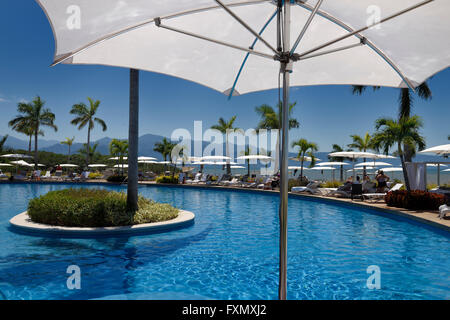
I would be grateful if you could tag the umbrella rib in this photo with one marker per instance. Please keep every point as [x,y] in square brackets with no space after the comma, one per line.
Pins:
[247,55]
[327,44]
[318,54]
[223,43]
[306,26]
[246,26]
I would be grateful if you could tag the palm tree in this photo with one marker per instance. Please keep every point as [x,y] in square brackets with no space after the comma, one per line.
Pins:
[2,142]
[247,152]
[399,132]
[92,153]
[338,148]
[69,143]
[179,153]
[271,120]
[86,116]
[119,148]
[33,116]
[305,147]
[406,101]
[226,127]
[362,144]
[165,148]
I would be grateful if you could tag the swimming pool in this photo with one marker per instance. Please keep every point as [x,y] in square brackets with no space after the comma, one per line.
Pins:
[231,252]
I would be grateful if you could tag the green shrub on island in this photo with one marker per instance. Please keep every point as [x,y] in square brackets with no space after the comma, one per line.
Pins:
[167,179]
[116,178]
[95,208]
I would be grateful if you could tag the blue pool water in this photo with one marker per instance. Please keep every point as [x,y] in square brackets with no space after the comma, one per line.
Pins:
[230,253]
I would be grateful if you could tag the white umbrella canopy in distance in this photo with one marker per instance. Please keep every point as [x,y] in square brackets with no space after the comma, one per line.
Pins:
[16,156]
[97,166]
[118,158]
[332,163]
[322,168]
[254,157]
[340,47]
[215,158]
[237,167]
[446,170]
[121,166]
[22,163]
[373,164]
[5,165]
[68,165]
[146,159]
[391,169]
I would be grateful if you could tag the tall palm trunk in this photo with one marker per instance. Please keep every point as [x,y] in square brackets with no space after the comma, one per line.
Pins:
[36,160]
[405,172]
[228,154]
[248,168]
[133,142]
[29,145]
[69,152]
[341,174]
[88,147]
[301,169]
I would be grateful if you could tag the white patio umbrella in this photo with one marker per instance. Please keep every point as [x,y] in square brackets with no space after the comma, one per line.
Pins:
[372,164]
[16,156]
[353,155]
[442,150]
[68,165]
[121,166]
[237,167]
[332,163]
[391,169]
[215,158]
[118,158]
[254,157]
[22,163]
[332,44]
[97,166]
[439,150]
[323,168]
[146,159]
[5,165]
[446,170]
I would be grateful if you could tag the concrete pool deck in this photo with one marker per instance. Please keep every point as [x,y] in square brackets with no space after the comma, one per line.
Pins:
[427,217]
[23,223]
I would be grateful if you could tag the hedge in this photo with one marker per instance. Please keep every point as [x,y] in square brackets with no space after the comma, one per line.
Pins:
[95,208]
[414,200]
[167,179]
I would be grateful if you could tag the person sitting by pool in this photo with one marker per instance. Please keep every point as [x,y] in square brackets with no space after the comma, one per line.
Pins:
[382,180]
[368,186]
[358,180]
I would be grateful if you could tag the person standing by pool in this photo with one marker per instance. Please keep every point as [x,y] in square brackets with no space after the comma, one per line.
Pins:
[382,180]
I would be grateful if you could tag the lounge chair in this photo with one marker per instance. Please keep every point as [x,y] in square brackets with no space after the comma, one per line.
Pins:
[204,179]
[311,187]
[265,184]
[47,175]
[380,196]
[196,179]
[234,182]
[443,211]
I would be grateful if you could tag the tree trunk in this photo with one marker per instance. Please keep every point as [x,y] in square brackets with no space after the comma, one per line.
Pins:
[228,154]
[341,175]
[87,147]
[69,153]
[133,142]
[248,168]
[29,145]
[405,172]
[36,159]
[301,169]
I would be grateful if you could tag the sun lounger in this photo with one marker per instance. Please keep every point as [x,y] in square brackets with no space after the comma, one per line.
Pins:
[196,179]
[380,196]
[310,188]
[443,211]
[233,182]
[47,175]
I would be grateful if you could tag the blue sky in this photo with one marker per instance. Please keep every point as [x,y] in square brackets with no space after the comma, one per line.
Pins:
[328,114]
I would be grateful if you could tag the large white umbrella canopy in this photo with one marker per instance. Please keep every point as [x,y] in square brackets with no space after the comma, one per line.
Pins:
[439,150]
[121,166]
[333,42]
[237,167]
[5,165]
[322,168]
[446,170]
[147,161]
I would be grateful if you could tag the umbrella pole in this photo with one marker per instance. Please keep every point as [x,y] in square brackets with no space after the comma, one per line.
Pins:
[284,158]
